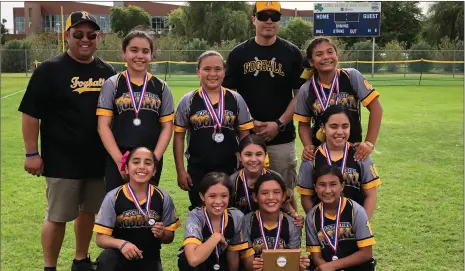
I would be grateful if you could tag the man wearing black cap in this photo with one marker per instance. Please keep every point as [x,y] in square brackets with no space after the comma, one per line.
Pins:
[266,71]
[61,99]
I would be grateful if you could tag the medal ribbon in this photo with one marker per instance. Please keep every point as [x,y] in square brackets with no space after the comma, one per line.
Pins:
[246,187]
[262,231]
[336,230]
[324,101]
[136,202]
[210,227]
[131,92]
[216,117]
[344,157]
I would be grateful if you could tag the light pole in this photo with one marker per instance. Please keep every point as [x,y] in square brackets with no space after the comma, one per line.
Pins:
[58,34]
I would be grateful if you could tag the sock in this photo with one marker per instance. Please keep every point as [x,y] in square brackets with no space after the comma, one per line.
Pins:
[50,268]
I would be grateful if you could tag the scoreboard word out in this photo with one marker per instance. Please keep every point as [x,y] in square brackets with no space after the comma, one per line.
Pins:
[347,19]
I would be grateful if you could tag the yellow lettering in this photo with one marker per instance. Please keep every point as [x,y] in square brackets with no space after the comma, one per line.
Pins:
[85,15]
[74,82]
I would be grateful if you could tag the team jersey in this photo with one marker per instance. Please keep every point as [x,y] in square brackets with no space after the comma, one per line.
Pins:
[196,231]
[157,107]
[354,232]
[289,238]
[358,176]
[63,94]
[354,90]
[120,218]
[266,76]
[192,116]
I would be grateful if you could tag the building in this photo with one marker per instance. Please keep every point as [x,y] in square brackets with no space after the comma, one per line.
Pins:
[41,16]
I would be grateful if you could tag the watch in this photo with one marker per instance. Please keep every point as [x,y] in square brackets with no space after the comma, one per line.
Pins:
[281,126]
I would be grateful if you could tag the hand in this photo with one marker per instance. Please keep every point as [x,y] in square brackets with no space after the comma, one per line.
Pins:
[119,165]
[308,153]
[184,180]
[304,262]
[270,131]
[222,241]
[34,165]
[158,230]
[362,151]
[130,251]
[298,220]
[257,264]
[325,267]
[258,126]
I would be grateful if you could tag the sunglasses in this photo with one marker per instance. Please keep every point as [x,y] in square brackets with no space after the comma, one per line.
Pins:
[263,17]
[80,35]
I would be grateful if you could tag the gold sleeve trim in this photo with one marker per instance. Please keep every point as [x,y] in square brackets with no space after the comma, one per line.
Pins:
[246,126]
[167,118]
[102,229]
[192,240]
[372,184]
[179,129]
[238,246]
[173,226]
[368,99]
[247,253]
[104,112]
[366,242]
[301,118]
[305,191]
[314,249]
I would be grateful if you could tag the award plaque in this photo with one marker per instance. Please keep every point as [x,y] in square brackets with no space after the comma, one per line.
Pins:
[281,259]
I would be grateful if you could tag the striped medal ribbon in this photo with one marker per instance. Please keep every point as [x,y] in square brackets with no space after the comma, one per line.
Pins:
[210,227]
[333,244]
[344,157]
[148,200]
[317,88]
[136,105]
[262,231]
[217,117]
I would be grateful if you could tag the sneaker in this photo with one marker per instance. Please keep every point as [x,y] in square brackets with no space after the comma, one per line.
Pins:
[82,265]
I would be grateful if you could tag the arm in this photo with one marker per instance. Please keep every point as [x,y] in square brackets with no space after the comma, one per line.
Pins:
[107,241]
[164,139]
[317,258]
[178,149]
[30,128]
[286,117]
[305,133]
[370,201]
[374,121]
[108,140]
[233,260]
[307,203]
[199,253]
[243,133]
[248,263]
[168,237]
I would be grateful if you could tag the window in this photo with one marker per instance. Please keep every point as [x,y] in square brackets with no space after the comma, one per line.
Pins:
[159,24]
[104,22]
[19,25]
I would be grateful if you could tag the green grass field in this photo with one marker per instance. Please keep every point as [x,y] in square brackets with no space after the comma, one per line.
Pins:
[418,223]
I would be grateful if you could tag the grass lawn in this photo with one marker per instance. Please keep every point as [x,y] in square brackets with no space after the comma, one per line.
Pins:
[418,223]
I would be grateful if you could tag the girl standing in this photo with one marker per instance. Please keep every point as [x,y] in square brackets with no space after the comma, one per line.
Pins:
[135,218]
[338,231]
[215,119]
[268,227]
[135,109]
[326,86]
[360,177]
[212,237]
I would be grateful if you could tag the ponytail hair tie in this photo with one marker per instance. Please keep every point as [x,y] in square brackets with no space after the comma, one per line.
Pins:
[123,161]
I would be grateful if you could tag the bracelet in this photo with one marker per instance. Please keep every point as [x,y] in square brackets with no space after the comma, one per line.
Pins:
[370,144]
[122,245]
[32,154]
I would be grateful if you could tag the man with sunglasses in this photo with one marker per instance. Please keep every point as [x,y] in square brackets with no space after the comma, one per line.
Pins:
[61,99]
[266,71]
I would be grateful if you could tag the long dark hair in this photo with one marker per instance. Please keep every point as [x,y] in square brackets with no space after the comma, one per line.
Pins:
[214,178]
[311,46]
[136,34]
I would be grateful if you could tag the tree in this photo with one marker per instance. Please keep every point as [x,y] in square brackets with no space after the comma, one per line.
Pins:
[394,51]
[420,50]
[125,19]
[212,21]
[364,53]
[444,19]
[14,56]
[3,32]
[297,31]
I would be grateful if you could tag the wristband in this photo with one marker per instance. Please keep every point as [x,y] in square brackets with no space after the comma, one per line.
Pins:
[32,154]
[122,245]
[370,144]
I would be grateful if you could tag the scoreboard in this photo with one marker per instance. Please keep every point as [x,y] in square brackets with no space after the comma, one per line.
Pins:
[347,19]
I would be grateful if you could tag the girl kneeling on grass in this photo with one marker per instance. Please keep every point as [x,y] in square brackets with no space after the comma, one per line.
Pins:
[339,235]
[260,229]
[135,218]
[212,237]
[252,156]
[360,177]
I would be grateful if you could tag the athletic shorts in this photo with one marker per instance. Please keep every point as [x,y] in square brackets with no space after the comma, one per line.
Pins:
[283,160]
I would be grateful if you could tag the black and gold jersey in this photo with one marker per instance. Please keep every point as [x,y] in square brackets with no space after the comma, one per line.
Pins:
[196,231]
[239,198]
[157,106]
[63,94]
[354,232]
[358,176]
[192,116]
[289,238]
[354,90]
[120,218]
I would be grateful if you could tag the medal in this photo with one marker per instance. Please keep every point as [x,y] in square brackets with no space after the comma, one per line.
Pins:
[136,105]
[344,157]
[217,118]
[136,121]
[333,244]
[262,231]
[324,101]
[210,227]
[147,201]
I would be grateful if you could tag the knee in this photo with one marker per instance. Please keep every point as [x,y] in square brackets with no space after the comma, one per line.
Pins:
[109,260]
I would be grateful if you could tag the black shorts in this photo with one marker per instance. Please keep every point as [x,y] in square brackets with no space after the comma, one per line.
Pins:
[112,259]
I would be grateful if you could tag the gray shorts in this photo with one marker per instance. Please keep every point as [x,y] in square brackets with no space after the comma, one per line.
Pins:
[283,160]
[67,197]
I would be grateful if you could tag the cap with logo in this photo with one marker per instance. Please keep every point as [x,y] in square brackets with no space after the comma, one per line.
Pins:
[78,17]
[261,6]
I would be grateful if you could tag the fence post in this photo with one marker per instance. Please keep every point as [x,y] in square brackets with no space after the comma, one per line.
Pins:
[25,59]
[169,63]
[421,70]
[453,67]
[356,60]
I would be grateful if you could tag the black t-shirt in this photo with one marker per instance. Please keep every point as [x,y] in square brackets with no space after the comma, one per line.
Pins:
[63,94]
[266,76]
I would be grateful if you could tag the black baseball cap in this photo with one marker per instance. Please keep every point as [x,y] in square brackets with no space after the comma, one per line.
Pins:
[78,17]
